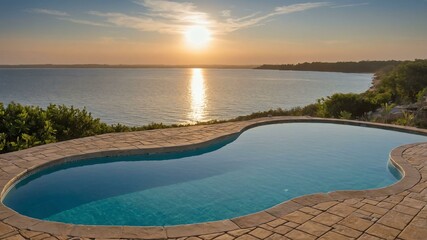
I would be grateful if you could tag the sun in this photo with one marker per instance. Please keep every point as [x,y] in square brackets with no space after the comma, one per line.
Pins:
[197,36]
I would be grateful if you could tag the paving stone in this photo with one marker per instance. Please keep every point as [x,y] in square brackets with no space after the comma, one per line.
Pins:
[292,224]
[372,202]
[239,232]
[386,205]
[298,217]
[199,229]
[246,237]
[366,236]
[325,206]
[224,237]
[413,232]
[314,228]
[266,227]
[193,238]
[210,236]
[327,219]
[283,209]
[406,210]
[4,229]
[60,229]
[276,222]
[14,237]
[334,236]
[260,233]
[341,210]
[29,234]
[395,219]
[20,221]
[357,223]
[409,202]
[374,209]
[282,229]
[311,211]
[96,231]
[383,231]
[419,222]
[362,214]
[299,235]
[276,237]
[394,199]
[343,230]
[354,202]
[423,213]
[41,236]
[253,219]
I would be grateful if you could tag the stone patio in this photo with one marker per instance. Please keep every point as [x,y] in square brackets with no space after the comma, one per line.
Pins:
[395,212]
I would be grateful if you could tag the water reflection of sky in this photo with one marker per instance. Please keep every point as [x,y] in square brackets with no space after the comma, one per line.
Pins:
[197,92]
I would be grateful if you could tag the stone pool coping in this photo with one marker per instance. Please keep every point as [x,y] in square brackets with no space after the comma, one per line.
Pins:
[16,165]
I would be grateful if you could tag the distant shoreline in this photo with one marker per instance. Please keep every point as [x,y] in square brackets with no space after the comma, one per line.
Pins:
[123,66]
[343,67]
[340,67]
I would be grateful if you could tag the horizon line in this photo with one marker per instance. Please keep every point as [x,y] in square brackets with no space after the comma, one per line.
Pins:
[103,65]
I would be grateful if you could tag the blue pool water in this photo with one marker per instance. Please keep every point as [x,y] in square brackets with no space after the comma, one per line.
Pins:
[262,167]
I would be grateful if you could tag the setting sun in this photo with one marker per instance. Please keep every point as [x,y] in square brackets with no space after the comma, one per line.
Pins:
[197,36]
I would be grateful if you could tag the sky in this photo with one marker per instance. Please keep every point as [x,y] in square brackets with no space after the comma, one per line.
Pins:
[234,32]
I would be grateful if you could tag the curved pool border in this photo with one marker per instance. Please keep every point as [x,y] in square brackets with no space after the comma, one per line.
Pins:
[17,165]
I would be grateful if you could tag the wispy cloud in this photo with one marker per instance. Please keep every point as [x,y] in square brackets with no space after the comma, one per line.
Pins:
[85,22]
[226,13]
[173,17]
[234,24]
[48,12]
[66,17]
[350,5]
[166,16]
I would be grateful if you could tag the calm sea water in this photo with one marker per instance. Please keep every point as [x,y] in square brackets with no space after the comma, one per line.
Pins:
[141,96]
[261,168]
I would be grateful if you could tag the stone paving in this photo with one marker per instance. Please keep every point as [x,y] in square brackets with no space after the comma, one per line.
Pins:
[395,212]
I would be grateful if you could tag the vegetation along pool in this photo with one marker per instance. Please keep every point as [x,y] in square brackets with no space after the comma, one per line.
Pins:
[262,167]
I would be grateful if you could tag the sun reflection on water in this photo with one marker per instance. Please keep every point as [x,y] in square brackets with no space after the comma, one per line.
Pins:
[197,92]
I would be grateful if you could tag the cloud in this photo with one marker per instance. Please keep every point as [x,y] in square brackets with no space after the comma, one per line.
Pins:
[234,24]
[48,12]
[66,17]
[174,17]
[350,5]
[85,22]
[226,13]
[165,16]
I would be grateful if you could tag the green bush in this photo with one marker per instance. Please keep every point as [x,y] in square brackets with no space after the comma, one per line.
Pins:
[70,122]
[24,126]
[351,104]
[404,82]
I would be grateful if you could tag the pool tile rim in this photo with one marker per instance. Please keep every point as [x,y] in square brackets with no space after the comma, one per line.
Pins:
[410,178]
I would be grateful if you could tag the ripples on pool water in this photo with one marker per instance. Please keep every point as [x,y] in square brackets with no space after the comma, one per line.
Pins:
[263,167]
[142,96]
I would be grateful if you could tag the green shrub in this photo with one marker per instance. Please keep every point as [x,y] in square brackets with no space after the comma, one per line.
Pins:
[355,105]
[70,122]
[24,126]
[404,82]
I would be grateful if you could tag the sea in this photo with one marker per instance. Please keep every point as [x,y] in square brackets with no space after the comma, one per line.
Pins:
[172,95]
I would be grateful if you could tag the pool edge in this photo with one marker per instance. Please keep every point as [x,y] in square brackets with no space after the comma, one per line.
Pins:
[410,177]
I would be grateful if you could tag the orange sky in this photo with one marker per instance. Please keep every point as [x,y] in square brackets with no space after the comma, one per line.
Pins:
[153,32]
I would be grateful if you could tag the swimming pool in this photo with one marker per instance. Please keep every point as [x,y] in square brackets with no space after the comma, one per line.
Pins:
[260,168]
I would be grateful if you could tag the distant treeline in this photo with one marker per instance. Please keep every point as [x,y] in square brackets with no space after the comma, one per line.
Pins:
[346,67]
[125,66]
